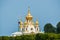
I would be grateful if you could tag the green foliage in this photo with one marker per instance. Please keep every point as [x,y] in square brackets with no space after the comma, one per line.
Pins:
[5,38]
[18,38]
[58,27]
[0,37]
[12,38]
[48,28]
[27,37]
[39,36]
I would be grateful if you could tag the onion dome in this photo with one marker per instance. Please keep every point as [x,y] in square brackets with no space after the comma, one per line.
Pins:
[21,23]
[37,23]
[25,23]
[29,16]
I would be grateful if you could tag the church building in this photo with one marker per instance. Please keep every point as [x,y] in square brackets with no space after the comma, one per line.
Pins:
[27,27]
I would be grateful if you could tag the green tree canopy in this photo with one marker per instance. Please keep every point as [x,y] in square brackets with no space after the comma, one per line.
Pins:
[48,28]
[58,27]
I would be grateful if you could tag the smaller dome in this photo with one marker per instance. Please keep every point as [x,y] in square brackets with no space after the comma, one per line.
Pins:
[21,22]
[37,22]
[25,22]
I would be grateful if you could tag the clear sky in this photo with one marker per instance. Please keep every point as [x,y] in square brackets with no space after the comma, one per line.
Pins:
[46,11]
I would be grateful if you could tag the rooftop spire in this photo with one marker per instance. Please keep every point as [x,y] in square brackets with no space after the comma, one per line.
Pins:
[29,10]
[29,16]
[37,22]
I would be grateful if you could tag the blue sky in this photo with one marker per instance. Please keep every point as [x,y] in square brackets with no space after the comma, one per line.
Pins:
[46,11]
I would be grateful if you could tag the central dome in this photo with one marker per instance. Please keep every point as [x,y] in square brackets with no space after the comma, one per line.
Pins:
[29,16]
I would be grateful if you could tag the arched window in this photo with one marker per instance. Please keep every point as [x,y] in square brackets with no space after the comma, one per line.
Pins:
[37,29]
[26,28]
[31,28]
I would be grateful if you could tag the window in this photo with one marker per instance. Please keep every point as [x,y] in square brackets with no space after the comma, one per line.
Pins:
[37,29]
[26,28]
[31,28]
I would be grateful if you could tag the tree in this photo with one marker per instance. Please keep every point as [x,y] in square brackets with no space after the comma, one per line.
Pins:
[48,28]
[58,27]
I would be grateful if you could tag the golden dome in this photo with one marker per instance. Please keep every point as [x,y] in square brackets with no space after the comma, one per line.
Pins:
[25,23]
[37,23]
[21,22]
[29,16]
